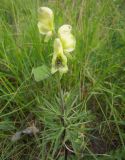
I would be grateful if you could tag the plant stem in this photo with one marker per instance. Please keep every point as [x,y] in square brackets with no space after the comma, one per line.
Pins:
[63,111]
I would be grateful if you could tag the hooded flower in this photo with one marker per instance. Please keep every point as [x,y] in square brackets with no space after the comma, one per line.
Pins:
[46,22]
[59,60]
[67,38]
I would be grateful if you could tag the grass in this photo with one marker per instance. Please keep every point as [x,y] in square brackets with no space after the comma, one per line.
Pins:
[81,117]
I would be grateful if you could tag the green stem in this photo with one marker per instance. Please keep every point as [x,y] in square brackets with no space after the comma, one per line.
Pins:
[61,95]
[63,111]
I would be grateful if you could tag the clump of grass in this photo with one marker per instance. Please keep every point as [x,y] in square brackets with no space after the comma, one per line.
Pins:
[85,117]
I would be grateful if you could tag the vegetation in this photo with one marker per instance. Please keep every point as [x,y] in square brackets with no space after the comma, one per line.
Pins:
[81,116]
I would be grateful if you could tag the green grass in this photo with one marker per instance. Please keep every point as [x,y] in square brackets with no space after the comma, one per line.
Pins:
[81,117]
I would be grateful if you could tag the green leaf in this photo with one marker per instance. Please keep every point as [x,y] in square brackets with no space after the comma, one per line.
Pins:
[41,73]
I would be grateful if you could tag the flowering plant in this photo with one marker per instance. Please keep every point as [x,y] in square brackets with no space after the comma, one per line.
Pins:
[64,43]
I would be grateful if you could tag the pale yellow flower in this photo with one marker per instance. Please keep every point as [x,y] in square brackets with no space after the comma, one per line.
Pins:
[59,60]
[67,38]
[45,22]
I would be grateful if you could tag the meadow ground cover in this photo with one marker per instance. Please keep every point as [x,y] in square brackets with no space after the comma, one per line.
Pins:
[80,116]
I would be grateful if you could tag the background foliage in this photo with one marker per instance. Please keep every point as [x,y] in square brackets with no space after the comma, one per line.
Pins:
[83,116]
